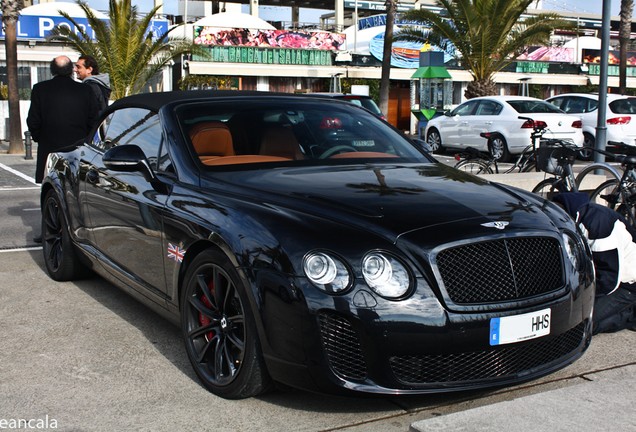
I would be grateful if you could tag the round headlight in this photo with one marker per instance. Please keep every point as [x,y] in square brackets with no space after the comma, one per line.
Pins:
[326,272]
[573,250]
[385,275]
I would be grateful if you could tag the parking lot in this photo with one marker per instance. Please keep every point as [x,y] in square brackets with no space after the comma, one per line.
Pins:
[90,358]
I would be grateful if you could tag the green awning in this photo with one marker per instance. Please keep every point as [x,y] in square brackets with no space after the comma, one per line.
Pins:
[431,72]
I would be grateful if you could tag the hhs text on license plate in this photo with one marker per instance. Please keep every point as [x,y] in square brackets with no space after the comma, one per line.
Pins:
[518,328]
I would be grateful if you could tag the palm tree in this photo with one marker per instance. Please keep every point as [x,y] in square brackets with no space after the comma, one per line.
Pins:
[624,31]
[10,14]
[484,35]
[124,47]
[385,83]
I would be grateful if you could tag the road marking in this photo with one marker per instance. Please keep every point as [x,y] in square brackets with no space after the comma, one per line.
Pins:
[33,209]
[22,249]
[18,173]
[19,188]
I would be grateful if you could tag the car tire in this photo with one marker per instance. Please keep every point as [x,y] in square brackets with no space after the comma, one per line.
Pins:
[586,154]
[219,329]
[498,148]
[60,259]
[434,140]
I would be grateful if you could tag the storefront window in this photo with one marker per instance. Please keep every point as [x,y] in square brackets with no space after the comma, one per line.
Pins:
[24,80]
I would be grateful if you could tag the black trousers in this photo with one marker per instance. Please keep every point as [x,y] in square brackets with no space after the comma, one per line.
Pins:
[615,311]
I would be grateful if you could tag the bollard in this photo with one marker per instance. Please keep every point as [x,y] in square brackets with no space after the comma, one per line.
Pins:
[27,145]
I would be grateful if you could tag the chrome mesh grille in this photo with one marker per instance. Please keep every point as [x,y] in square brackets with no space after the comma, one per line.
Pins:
[498,362]
[342,346]
[501,270]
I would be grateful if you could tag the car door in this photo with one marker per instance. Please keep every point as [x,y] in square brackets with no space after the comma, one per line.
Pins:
[485,116]
[125,210]
[456,126]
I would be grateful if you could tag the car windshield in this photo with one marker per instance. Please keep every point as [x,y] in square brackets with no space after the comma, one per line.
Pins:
[623,106]
[366,103]
[289,131]
[533,107]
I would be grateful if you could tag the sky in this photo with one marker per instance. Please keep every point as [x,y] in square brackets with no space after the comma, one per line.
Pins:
[312,15]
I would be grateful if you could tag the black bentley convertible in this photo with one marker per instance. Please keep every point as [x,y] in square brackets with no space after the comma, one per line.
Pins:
[306,242]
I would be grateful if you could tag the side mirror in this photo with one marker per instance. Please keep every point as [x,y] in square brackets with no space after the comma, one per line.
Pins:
[448,113]
[423,144]
[128,158]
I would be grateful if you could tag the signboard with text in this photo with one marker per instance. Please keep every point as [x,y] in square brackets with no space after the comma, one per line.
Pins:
[35,27]
[259,55]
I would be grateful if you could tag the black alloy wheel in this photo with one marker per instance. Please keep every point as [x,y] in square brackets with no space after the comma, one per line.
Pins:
[60,259]
[219,331]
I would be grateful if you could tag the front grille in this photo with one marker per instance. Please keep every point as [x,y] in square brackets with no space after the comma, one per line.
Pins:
[501,270]
[499,362]
[342,346]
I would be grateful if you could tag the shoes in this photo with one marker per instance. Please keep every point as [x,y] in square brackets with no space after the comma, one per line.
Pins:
[37,238]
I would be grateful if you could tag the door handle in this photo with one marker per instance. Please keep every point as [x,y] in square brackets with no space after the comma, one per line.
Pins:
[489,123]
[92,176]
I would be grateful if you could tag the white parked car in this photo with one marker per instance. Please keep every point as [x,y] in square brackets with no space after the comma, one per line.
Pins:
[620,117]
[498,116]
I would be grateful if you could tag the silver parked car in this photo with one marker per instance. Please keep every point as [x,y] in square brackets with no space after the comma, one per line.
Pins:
[498,116]
[620,120]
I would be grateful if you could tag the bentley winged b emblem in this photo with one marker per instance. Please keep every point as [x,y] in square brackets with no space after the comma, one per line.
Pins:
[497,224]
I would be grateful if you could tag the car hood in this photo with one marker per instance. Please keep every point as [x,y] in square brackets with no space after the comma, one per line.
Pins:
[390,200]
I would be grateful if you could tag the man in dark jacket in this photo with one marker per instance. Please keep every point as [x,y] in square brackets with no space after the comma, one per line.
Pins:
[613,243]
[87,70]
[62,112]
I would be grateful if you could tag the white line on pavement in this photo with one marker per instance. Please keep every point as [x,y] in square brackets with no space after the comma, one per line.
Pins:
[17,189]
[22,249]
[33,209]
[18,173]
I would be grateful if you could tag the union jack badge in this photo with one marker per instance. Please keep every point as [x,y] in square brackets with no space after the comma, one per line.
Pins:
[175,252]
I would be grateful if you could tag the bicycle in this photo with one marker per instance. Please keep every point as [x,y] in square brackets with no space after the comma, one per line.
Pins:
[620,194]
[474,161]
[556,157]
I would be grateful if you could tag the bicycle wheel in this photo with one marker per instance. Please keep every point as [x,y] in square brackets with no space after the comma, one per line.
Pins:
[474,167]
[529,165]
[548,188]
[610,173]
[610,195]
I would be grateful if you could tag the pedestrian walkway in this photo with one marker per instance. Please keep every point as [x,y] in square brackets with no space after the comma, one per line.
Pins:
[604,402]
[15,170]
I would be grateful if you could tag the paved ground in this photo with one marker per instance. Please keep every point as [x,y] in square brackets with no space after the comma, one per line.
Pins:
[89,357]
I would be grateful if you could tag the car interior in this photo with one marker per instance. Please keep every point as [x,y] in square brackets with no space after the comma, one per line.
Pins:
[269,133]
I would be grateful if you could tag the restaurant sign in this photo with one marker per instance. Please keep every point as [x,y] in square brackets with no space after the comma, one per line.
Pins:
[532,67]
[257,55]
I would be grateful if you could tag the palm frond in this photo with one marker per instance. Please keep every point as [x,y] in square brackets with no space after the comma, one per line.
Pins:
[483,35]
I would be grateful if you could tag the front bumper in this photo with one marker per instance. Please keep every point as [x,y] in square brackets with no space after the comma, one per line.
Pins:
[416,346]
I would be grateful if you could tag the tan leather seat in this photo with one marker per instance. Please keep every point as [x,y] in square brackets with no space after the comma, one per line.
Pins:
[281,142]
[212,139]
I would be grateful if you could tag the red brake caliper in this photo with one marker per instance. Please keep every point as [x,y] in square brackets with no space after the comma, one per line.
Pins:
[202,318]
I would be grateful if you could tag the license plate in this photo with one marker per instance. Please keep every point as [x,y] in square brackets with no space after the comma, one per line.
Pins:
[517,328]
[365,143]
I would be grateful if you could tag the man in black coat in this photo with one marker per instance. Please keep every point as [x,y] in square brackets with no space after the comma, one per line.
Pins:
[62,112]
